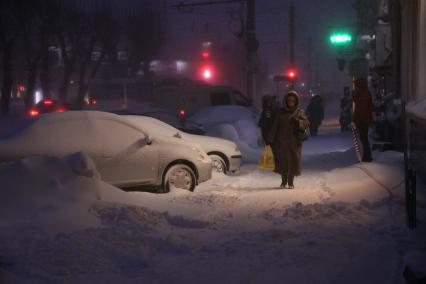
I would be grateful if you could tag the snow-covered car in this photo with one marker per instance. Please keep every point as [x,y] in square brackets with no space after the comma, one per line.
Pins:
[124,154]
[183,124]
[225,154]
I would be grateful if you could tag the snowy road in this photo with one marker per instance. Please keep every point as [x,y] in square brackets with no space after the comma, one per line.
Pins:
[344,223]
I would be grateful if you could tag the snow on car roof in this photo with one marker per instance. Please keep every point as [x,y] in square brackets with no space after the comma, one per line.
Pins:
[151,124]
[62,133]
[82,116]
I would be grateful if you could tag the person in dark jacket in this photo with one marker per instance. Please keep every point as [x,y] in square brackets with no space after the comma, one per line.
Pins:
[283,135]
[269,109]
[363,115]
[315,113]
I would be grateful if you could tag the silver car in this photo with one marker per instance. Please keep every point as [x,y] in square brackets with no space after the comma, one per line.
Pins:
[225,154]
[124,154]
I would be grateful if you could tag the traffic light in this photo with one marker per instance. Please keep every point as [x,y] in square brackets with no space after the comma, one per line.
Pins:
[291,74]
[205,54]
[340,38]
[207,72]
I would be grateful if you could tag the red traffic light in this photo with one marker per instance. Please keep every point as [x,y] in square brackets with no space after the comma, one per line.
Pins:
[207,72]
[205,54]
[182,112]
[291,73]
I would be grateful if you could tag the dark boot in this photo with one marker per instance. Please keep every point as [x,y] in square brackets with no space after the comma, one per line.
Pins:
[290,182]
[283,181]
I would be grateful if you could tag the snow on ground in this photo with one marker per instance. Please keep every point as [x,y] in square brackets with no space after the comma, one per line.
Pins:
[344,223]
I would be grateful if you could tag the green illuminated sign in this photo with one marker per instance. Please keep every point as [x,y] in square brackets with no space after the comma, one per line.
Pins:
[340,38]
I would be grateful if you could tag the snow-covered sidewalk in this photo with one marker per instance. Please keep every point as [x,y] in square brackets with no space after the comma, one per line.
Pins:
[344,223]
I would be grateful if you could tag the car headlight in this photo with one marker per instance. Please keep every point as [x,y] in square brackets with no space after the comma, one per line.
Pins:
[201,155]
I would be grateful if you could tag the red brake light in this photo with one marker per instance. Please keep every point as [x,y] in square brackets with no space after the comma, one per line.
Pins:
[47,102]
[33,112]
[93,102]
[60,109]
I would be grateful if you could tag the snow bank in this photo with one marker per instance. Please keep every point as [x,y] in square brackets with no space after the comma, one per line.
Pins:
[230,132]
[235,123]
[55,194]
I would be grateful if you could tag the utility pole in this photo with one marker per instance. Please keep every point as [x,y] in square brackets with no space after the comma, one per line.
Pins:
[309,64]
[251,42]
[291,34]
[291,37]
[251,46]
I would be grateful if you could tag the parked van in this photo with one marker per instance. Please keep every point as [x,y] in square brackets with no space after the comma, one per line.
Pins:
[191,97]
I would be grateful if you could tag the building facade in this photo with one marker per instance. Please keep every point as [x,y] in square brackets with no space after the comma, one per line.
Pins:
[413,80]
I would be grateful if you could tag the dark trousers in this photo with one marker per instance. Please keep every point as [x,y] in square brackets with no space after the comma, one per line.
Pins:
[313,129]
[363,137]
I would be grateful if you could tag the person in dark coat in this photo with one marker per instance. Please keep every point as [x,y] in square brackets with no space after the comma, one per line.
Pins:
[269,110]
[283,135]
[315,113]
[363,115]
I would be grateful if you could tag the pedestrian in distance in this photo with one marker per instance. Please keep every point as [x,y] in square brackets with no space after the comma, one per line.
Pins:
[363,115]
[289,122]
[315,114]
[345,110]
[269,110]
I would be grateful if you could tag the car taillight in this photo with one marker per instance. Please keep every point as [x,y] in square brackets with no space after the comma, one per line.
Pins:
[33,112]
[61,109]
[47,102]
[93,102]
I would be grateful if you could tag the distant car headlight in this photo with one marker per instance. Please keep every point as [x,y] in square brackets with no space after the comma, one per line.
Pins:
[201,155]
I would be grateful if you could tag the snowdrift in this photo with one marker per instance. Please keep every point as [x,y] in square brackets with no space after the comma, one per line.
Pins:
[235,123]
[55,194]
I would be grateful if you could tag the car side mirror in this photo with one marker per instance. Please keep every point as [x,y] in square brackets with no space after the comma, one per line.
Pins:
[148,139]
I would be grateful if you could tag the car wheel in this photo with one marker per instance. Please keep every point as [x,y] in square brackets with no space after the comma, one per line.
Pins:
[218,164]
[179,176]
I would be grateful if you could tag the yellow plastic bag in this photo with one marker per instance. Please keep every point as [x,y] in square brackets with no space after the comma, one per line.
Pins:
[267,159]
